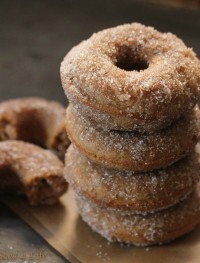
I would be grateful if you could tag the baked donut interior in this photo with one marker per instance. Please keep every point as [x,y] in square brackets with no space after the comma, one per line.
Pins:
[10,182]
[30,128]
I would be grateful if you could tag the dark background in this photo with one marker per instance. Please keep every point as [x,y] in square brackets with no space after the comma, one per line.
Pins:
[34,37]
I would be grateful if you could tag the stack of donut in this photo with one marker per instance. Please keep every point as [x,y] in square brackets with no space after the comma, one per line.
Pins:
[133,123]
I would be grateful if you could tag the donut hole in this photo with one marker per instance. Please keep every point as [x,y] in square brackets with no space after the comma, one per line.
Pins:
[30,128]
[128,59]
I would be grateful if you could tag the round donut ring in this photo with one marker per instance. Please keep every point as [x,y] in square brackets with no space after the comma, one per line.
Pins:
[141,193]
[143,230]
[132,77]
[32,171]
[133,151]
[34,120]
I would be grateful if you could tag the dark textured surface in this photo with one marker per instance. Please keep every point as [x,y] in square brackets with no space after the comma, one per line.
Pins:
[16,237]
[35,36]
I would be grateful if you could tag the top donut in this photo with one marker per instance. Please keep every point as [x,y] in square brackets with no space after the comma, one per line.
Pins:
[132,77]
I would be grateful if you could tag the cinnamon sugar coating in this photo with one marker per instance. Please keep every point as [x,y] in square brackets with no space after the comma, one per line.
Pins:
[129,192]
[133,75]
[133,151]
[143,230]
[34,120]
[29,170]
[133,125]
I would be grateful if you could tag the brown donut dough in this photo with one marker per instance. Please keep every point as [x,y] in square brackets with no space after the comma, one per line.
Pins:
[132,77]
[142,230]
[32,171]
[133,151]
[127,191]
[34,120]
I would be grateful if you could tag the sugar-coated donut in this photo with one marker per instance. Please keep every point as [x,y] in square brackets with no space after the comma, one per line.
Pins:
[124,190]
[132,77]
[142,230]
[133,151]
[32,171]
[34,120]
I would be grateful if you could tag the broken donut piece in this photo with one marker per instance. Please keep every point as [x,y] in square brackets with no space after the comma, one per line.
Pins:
[29,170]
[34,120]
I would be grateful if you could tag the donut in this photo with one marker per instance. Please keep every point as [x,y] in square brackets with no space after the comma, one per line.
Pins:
[143,230]
[29,170]
[132,77]
[124,190]
[129,150]
[34,120]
